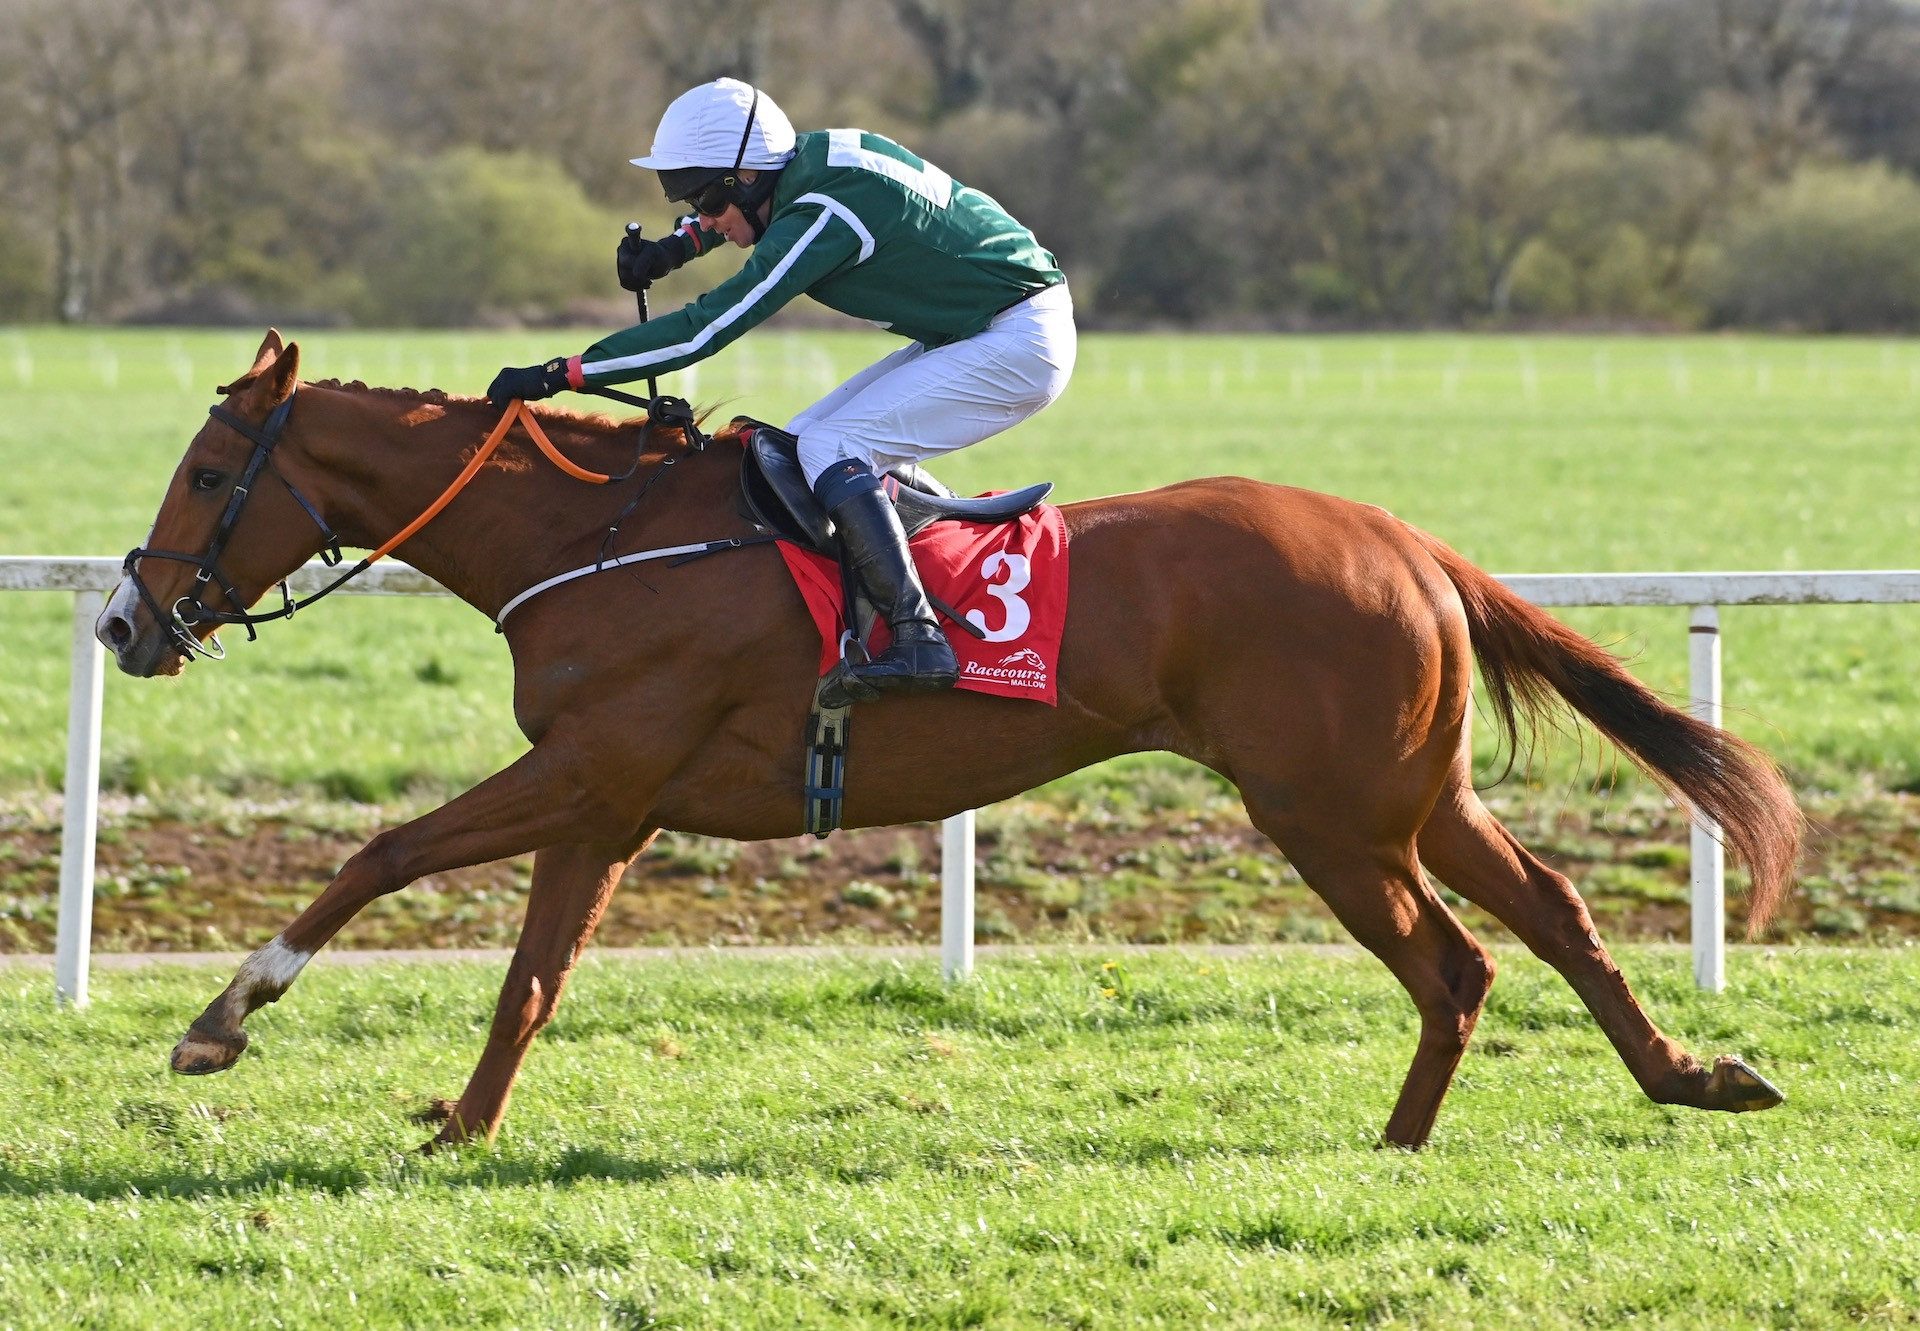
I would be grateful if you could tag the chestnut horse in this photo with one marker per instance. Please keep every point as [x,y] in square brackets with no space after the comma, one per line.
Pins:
[1317,653]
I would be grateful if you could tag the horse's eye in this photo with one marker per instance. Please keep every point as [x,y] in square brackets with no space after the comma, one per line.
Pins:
[206,479]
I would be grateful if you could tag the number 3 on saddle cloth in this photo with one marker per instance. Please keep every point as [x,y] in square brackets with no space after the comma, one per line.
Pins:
[1008,579]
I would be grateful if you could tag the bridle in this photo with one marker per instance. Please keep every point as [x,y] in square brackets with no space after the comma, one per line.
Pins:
[192,609]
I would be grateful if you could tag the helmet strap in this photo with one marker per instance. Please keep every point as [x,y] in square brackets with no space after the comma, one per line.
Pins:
[753,109]
[750,198]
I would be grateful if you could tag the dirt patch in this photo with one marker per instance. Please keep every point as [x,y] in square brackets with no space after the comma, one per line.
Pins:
[226,874]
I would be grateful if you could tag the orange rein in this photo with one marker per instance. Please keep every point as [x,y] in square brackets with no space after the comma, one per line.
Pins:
[516,410]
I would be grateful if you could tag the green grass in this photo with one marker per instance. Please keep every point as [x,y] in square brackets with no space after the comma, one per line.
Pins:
[1530,454]
[725,1142]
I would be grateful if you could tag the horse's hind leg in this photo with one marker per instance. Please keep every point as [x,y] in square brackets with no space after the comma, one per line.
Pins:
[571,887]
[1469,851]
[1376,889]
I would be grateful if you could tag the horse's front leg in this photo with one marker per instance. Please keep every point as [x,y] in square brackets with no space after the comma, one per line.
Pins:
[571,887]
[535,802]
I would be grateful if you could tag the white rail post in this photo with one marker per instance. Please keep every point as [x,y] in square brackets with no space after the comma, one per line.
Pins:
[956,896]
[73,936]
[1709,858]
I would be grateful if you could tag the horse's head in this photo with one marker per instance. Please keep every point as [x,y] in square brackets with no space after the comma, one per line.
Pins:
[224,534]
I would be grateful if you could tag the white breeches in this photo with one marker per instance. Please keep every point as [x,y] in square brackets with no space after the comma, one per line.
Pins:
[918,403]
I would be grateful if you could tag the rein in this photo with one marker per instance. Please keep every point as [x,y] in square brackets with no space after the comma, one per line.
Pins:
[192,610]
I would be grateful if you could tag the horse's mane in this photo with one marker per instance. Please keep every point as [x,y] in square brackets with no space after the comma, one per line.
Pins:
[547,411]
[435,395]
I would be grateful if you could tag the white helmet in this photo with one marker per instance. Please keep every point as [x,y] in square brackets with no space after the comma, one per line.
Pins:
[723,125]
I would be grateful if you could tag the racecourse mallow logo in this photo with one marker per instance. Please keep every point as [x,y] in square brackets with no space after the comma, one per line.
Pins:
[1026,667]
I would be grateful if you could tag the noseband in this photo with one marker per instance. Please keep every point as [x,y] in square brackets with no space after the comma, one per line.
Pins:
[192,609]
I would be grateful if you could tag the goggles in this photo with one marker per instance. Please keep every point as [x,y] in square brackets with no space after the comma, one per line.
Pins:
[714,198]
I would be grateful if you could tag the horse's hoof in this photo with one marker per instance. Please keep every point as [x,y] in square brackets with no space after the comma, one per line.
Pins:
[454,1131]
[1738,1089]
[452,1137]
[201,1052]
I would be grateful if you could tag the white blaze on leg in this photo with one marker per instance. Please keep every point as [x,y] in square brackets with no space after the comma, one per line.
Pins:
[270,971]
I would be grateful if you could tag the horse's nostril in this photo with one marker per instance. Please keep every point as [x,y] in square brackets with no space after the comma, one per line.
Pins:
[120,631]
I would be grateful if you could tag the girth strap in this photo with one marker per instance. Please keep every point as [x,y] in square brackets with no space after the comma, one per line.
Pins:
[826,778]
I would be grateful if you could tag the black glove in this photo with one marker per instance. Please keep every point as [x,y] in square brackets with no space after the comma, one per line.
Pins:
[529,383]
[641,262]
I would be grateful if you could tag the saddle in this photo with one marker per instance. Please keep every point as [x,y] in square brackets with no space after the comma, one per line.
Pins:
[774,494]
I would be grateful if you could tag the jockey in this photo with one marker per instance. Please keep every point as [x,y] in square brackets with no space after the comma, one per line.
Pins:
[867,228]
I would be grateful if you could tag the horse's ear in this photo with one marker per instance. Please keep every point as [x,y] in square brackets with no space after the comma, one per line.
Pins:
[270,348]
[277,383]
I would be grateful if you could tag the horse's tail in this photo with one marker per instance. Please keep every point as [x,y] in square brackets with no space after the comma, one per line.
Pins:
[1526,657]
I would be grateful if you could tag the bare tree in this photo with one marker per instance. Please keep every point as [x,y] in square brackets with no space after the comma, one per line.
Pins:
[77,63]
[1780,60]
[1365,160]
[1501,106]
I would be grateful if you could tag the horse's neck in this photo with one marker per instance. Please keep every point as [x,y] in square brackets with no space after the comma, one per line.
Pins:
[507,528]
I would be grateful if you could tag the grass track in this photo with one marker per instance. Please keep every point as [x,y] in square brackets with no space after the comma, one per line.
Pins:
[1530,454]
[733,1142]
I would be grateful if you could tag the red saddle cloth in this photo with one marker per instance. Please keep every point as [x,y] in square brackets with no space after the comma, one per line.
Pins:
[1008,578]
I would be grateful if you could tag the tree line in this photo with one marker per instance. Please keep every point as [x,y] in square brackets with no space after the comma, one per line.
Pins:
[1270,163]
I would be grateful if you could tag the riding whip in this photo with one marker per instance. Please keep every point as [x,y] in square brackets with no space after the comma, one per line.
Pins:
[640,299]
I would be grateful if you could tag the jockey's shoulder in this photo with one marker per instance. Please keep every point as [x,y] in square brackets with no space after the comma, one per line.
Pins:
[829,150]
[859,170]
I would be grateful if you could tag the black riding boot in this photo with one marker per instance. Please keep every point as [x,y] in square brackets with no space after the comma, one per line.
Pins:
[919,660]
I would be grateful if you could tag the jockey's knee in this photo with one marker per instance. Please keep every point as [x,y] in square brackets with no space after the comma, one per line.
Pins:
[819,449]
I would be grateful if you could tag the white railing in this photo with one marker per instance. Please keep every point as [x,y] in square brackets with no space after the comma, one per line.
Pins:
[90,579]
[1706,593]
